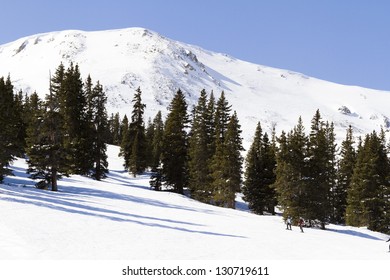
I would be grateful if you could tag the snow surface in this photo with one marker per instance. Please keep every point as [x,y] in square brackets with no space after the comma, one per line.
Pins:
[126,59]
[120,218]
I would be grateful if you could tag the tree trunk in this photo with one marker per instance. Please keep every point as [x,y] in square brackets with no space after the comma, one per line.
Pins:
[54,186]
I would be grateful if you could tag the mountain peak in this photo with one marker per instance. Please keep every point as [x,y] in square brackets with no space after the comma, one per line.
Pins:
[125,59]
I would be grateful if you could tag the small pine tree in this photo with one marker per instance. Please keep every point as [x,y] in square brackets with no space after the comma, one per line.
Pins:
[114,127]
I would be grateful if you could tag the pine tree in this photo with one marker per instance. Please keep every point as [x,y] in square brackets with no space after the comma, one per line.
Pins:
[136,137]
[73,107]
[318,172]
[114,127]
[8,127]
[211,126]
[346,165]
[259,174]
[157,141]
[291,180]
[200,181]
[47,156]
[369,190]
[20,124]
[68,87]
[227,165]
[99,132]
[222,118]
[174,152]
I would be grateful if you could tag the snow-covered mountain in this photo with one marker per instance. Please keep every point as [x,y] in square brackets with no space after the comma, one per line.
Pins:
[129,58]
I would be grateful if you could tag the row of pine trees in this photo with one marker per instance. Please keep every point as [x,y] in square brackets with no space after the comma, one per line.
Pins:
[198,152]
[308,176]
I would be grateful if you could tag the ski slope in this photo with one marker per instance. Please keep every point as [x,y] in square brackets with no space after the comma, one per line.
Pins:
[120,218]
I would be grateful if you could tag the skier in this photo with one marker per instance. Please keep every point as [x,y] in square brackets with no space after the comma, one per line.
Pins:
[301,223]
[389,244]
[288,222]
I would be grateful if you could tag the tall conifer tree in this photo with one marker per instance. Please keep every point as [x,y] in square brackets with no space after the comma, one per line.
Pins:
[259,174]
[99,131]
[136,137]
[369,190]
[319,172]
[45,143]
[8,127]
[346,165]
[227,165]
[291,180]
[200,181]
[175,146]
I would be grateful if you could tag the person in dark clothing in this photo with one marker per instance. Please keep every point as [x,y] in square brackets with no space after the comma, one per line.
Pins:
[389,244]
[301,223]
[288,223]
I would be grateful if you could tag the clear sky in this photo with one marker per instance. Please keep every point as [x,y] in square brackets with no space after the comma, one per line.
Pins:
[344,41]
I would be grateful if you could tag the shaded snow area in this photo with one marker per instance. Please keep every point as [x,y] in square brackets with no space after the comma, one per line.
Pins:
[121,218]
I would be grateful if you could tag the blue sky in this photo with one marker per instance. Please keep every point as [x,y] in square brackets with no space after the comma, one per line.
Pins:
[344,41]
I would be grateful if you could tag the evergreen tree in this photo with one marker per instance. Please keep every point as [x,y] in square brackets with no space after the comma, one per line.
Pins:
[99,132]
[115,132]
[369,190]
[259,174]
[45,150]
[200,181]
[76,126]
[126,142]
[155,135]
[157,141]
[319,172]
[222,118]
[346,165]
[20,124]
[8,126]
[291,181]
[149,135]
[227,165]
[211,126]
[174,152]
[136,137]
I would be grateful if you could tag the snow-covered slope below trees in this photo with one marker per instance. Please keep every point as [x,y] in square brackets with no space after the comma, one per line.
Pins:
[129,58]
[121,218]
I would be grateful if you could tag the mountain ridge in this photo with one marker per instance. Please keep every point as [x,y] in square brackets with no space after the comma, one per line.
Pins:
[125,59]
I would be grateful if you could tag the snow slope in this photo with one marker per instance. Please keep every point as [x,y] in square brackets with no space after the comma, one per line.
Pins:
[121,218]
[125,59]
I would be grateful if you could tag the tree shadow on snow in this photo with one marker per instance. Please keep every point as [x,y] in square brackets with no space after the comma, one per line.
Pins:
[74,203]
[355,233]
